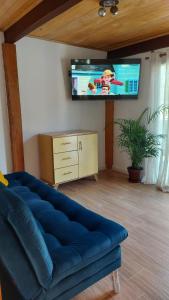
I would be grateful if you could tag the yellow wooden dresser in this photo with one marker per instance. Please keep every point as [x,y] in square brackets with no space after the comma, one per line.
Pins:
[69,155]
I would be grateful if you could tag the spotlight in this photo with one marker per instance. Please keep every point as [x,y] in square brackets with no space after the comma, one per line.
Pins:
[102,12]
[114,10]
[112,4]
[115,2]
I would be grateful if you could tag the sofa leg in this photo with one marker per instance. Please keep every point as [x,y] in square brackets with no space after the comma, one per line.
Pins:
[116,282]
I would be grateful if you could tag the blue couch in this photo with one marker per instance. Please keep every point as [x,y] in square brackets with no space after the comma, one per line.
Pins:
[50,246]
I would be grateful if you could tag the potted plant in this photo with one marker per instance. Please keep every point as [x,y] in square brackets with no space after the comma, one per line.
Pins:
[138,141]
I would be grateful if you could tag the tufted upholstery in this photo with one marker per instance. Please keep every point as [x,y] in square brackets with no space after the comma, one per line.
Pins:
[71,238]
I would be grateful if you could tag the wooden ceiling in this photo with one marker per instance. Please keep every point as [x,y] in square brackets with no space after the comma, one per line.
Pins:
[12,10]
[138,20]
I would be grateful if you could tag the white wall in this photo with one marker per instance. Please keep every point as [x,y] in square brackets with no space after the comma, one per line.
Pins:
[131,109]
[5,154]
[46,95]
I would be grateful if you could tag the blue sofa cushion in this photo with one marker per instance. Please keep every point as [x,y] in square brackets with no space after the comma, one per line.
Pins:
[16,212]
[75,236]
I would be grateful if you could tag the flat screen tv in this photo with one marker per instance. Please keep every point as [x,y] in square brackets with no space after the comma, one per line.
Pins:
[105,79]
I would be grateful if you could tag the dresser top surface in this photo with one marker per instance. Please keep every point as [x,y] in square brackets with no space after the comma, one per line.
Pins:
[69,133]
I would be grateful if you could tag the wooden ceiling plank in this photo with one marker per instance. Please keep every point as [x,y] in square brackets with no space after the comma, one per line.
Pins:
[73,15]
[70,34]
[135,36]
[108,41]
[41,14]
[13,10]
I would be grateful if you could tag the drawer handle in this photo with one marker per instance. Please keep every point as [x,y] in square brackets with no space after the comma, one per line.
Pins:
[67,173]
[68,143]
[66,158]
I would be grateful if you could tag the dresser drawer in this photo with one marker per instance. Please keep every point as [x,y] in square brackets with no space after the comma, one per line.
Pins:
[63,144]
[66,174]
[65,159]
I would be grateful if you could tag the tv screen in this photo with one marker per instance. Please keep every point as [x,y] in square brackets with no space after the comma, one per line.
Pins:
[105,79]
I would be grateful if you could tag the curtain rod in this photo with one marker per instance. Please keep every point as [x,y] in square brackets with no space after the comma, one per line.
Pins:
[160,55]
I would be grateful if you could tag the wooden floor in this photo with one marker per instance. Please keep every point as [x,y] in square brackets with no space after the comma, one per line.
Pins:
[144,211]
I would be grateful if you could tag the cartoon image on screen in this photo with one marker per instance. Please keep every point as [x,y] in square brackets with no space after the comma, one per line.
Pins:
[95,80]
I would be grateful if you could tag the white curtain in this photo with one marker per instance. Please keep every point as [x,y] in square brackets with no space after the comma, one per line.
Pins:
[163,176]
[157,169]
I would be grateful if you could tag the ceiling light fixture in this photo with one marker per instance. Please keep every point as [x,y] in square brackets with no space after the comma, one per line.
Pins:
[112,4]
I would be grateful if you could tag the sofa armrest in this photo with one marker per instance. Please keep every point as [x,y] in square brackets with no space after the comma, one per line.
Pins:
[15,264]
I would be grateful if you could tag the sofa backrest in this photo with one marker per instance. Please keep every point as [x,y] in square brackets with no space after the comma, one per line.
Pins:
[23,232]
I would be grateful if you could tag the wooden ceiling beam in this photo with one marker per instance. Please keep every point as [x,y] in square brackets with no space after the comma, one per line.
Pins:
[150,45]
[14,108]
[41,14]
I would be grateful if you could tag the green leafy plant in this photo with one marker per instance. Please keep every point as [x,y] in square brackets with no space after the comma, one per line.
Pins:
[136,138]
